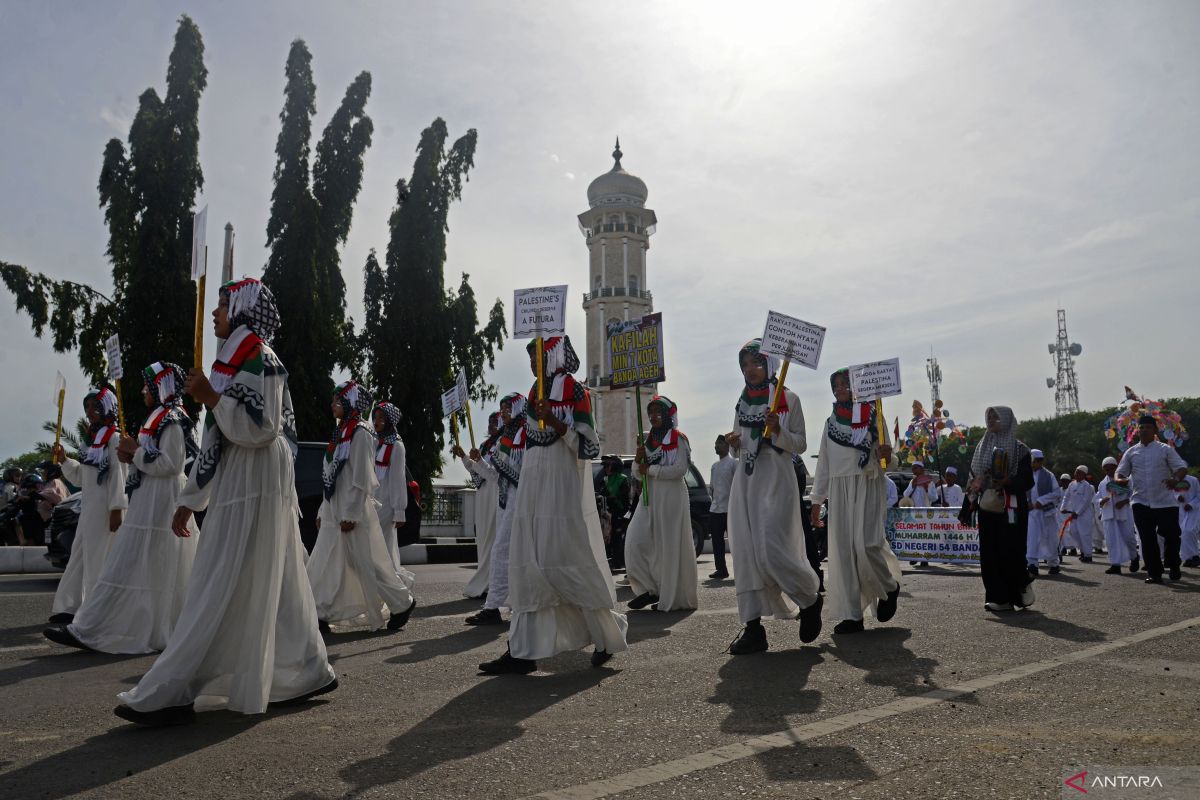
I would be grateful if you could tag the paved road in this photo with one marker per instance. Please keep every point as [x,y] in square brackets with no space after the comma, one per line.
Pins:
[947,701]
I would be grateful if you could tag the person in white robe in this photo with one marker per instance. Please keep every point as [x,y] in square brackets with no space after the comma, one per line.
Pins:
[949,494]
[660,557]
[353,575]
[1189,521]
[140,592]
[483,478]
[1078,501]
[772,574]
[1066,537]
[1116,517]
[101,477]
[864,574]
[503,468]
[391,475]
[920,487]
[247,636]
[1042,542]
[560,588]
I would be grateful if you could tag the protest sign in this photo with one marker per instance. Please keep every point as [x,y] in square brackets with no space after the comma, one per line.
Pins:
[793,339]
[539,312]
[635,352]
[875,380]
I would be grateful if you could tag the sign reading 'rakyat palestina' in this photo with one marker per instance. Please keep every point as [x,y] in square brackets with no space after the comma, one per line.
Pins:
[635,352]
[794,339]
[875,380]
[540,311]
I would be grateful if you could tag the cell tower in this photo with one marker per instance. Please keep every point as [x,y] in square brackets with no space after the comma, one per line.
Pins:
[934,373]
[1065,386]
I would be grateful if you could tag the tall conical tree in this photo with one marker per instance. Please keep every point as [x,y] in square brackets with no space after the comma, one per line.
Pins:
[417,333]
[147,194]
[310,220]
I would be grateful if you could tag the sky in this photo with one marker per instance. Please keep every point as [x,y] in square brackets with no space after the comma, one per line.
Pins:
[918,176]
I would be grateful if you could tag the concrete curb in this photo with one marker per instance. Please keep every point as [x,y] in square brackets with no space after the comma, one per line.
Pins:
[22,560]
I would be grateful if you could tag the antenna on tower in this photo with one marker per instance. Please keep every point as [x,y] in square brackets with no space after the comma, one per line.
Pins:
[1065,385]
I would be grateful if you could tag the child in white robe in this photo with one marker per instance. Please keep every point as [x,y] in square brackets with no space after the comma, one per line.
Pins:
[1116,517]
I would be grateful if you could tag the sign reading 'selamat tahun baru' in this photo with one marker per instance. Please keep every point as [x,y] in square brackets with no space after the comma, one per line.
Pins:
[635,352]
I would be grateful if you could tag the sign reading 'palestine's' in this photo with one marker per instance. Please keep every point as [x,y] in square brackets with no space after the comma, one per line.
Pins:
[635,352]
[540,311]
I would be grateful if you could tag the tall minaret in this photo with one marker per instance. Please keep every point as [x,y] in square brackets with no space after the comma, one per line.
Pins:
[617,227]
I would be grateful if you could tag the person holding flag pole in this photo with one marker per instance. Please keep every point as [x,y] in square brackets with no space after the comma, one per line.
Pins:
[60,396]
[484,479]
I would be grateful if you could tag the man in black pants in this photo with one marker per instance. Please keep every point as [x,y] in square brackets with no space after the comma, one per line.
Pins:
[1153,468]
[814,543]
[720,481]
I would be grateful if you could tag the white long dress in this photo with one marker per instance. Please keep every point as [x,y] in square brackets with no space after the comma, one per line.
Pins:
[141,590]
[1119,532]
[862,567]
[92,536]
[248,631]
[659,554]
[560,588]
[771,573]
[1189,521]
[352,573]
[487,492]
[391,495]
[1078,499]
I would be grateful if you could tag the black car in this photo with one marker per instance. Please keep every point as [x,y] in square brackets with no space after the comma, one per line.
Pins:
[699,498]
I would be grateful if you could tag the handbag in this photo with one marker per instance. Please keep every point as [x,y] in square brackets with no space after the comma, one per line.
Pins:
[991,501]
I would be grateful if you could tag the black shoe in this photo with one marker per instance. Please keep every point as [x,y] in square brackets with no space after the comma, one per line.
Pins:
[304,698]
[485,616]
[1135,565]
[60,635]
[1154,579]
[924,563]
[1086,559]
[912,563]
[1194,561]
[1113,570]
[810,621]
[753,639]
[642,600]
[507,665]
[1071,552]
[398,621]
[848,626]
[1032,569]
[887,607]
[1054,570]
[719,575]
[1175,573]
[600,658]
[163,717]
[323,628]
[62,618]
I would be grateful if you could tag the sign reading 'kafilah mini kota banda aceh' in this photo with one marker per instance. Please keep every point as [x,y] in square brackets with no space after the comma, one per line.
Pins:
[635,352]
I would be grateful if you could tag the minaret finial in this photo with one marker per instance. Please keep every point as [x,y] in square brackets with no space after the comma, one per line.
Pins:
[617,155]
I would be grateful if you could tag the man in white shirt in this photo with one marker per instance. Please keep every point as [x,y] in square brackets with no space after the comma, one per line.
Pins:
[949,494]
[1077,501]
[1189,521]
[720,481]
[1117,520]
[919,487]
[1041,541]
[1152,469]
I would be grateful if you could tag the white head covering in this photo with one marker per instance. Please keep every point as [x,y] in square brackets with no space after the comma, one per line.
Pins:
[1064,477]
[920,464]
[1036,454]
[1082,468]
[1107,461]
[951,470]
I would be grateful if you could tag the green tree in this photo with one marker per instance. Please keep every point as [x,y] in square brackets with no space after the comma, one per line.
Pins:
[309,222]
[417,334]
[147,192]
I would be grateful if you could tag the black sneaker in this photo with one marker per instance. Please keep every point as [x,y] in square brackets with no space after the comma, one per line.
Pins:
[485,616]
[304,698]
[60,635]
[753,639]
[1054,570]
[62,618]
[323,628]
[1135,565]
[1113,570]
[398,621]
[642,600]
[1033,569]
[1086,559]
[1175,573]
[848,626]
[600,658]
[1154,579]
[810,621]
[719,575]
[1194,561]
[887,607]
[161,718]
[507,665]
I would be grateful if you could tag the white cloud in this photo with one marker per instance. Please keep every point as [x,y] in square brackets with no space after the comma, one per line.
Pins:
[569,176]
[119,121]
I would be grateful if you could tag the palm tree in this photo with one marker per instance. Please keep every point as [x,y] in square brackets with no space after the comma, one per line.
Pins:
[72,440]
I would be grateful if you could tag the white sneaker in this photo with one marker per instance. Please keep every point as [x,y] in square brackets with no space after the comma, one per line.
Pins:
[998,606]
[1027,596]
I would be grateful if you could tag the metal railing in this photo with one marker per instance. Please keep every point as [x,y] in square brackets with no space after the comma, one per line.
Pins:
[617,291]
[445,508]
[617,227]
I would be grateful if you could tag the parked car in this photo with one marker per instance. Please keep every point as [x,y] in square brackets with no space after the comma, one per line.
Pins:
[699,498]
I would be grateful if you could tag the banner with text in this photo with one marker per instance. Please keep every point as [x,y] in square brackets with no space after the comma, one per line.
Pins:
[539,311]
[793,339]
[451,401]
[635,352]
[931,534]
[875,380]
[112,350]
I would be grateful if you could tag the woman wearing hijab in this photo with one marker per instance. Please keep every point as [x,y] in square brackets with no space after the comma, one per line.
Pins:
[560,588]
[863,571]
[503,467]
[352,573]
[391,474]
[101,477]
[247,635]
[1001,477]
[141,590]
[659,556]
[483,478]
[771,572]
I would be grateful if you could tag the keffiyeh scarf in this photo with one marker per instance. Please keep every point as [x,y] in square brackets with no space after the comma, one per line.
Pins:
[102,432]
[662,444]
[388,440]
[755,403]
[356,404]
[165,381]
[568,399]
[509,452]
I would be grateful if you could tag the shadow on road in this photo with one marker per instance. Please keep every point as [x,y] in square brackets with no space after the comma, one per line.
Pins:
[480,719]
[57,662]
[469,638]
[644,625]
[124,751]
[463,605]
[880,652]
[1034,620]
